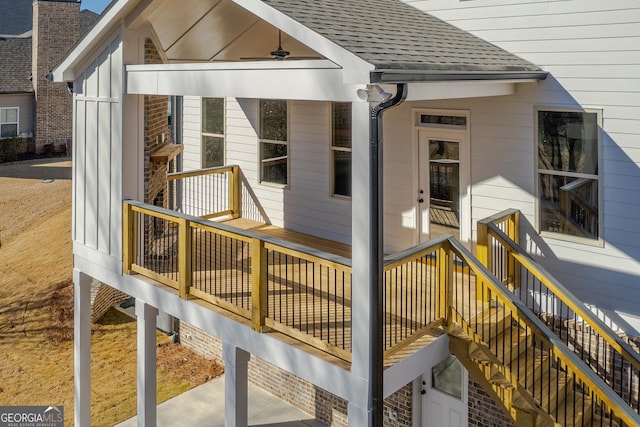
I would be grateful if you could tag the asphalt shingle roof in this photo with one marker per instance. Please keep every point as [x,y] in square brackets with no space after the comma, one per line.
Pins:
[15,65]
[15,16]
[392,35]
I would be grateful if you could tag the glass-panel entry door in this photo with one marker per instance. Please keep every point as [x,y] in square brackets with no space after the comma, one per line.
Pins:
[444,395]
[441,185]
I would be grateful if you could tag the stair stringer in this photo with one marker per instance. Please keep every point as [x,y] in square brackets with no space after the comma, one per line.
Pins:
[507,393]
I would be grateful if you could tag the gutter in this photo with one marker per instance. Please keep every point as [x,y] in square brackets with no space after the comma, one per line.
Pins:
[413,76]
[375,395]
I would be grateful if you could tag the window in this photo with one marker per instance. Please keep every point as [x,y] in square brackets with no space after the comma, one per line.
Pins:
[212,132]
[274,145]
[341,148]
[568,172]
[447,376]
[8,122]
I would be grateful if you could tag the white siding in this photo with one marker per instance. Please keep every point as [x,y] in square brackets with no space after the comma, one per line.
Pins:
[592,50]
[191,156]
[97,154]
[305,204]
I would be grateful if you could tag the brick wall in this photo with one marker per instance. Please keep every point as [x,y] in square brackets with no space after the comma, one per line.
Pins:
[156,134]
[483,411]
[315,401]
[103,297]
[56,27]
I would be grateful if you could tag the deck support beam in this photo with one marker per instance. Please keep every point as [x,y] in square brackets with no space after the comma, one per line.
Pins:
[236,385]
[82,348]
[146,389]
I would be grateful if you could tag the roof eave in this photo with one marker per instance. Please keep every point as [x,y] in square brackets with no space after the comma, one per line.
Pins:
[414,76]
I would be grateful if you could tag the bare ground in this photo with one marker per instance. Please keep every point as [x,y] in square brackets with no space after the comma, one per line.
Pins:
[36,308]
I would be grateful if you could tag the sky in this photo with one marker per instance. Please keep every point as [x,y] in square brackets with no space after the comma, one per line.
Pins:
[96,6]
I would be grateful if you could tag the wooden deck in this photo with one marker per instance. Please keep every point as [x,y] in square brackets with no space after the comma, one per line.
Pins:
[279,287]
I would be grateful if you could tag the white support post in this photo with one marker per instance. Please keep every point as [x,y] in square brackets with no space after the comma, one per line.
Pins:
[147,319]
[361,248]
[82,348]
[236,385]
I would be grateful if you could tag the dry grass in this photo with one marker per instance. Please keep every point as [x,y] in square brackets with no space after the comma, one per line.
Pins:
[36,309]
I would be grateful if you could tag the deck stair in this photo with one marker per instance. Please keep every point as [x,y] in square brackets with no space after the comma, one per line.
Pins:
[520,375]
[535,348]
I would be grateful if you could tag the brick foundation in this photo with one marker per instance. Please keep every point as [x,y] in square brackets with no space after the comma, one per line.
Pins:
[483,411]
[103,297]
[315,401]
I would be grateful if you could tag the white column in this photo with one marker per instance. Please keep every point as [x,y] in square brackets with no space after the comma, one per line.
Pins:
[82,348]
[236,385]
[361,245]
[146,348]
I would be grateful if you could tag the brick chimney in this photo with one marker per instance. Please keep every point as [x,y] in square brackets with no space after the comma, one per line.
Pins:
[56,28]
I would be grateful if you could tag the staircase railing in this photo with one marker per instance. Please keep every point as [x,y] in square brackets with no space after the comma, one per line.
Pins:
[525,358]
[608,355]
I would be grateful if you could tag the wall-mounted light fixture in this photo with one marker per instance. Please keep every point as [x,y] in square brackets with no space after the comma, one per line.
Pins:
[373,93]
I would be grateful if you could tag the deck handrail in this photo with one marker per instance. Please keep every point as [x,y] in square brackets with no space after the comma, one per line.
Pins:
[231,195]
[199,172]
[577,365]
[565,296]
[307,250]
[602,349]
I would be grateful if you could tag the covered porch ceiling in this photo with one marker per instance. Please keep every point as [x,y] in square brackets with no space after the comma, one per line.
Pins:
[189,31]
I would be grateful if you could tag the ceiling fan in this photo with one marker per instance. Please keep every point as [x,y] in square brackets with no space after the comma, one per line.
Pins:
[279,54]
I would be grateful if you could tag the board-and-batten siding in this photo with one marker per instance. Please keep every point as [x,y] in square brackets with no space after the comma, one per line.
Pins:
[592,51]
[306,204]
[97,154]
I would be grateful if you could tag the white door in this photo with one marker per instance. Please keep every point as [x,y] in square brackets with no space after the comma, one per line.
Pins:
[444,395]
[443,176]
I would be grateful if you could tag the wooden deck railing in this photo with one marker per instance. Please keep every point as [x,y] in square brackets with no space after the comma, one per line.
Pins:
[582,331]
[297,290]
[206,193]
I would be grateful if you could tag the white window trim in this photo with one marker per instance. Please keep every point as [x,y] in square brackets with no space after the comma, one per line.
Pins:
[599,242]
[332,150]
[260,141]
[215,135]
[17,122]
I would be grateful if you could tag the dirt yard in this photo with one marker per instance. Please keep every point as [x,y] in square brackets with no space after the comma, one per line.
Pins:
[36,308]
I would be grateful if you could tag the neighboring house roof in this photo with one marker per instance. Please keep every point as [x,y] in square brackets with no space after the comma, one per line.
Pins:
[15,50]
[15,16]
[390,34]
[87,20]
[15,65]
